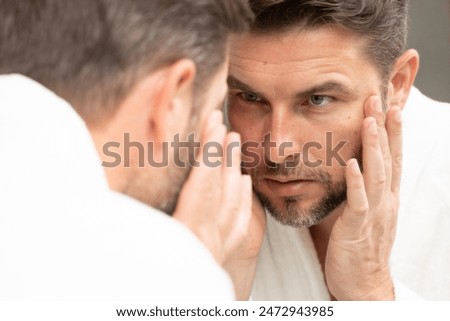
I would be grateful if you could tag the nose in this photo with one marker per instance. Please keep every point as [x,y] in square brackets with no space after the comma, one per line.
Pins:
[280,143]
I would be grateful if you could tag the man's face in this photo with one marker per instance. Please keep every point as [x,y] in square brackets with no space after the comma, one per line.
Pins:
[298,86]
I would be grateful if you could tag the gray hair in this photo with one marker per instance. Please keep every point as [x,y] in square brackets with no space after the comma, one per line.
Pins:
[382,22]
[92,52]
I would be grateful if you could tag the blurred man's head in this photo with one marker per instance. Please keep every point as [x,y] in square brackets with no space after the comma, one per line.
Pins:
[149,69]
[302,74]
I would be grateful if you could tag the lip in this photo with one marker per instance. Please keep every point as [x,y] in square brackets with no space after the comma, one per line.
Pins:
[287,187]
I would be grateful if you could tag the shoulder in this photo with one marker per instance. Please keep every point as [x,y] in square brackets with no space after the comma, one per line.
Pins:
[64,234]
[169,261]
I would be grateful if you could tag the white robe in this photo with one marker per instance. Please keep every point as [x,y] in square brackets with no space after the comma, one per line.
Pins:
[65,235]
[288,266]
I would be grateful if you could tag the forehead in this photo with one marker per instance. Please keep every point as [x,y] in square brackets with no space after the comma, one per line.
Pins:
[307,53]
[280,49]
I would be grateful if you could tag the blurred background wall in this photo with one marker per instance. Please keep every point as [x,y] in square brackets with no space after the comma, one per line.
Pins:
[429,33]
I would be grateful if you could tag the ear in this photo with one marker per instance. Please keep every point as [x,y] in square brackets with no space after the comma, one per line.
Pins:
[173,100]
[402,78]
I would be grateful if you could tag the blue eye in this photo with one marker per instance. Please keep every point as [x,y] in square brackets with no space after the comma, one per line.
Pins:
[319,100]
[252,98]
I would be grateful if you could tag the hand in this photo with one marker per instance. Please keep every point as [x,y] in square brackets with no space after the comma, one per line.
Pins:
[241,265]
[215,202]
[357,262]
[250,246]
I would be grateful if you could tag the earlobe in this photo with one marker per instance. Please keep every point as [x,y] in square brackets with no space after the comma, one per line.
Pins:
[402,78]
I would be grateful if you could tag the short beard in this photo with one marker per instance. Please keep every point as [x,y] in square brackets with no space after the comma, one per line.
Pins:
[296,216]
[292,214]
[163,195]
[175,180]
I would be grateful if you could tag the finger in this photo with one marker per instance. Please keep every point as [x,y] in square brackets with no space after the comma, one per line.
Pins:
[231,179]
[394,131]
[232,157]
[214,119]
[374,109]
[243,215]
[201,184]
[207,174]
[373,162]
[357,204]
[213,139]
[258,210]
[246,202]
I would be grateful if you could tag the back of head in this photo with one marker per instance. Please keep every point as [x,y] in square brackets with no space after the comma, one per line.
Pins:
[92,52]
[382,22]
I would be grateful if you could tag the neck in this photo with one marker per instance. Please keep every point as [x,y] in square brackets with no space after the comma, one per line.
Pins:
[320,234]
[102,138]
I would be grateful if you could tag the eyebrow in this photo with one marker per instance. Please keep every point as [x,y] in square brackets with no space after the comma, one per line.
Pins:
[237,84]
[324,87]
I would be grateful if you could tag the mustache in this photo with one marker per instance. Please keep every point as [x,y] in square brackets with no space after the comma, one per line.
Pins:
[287,170]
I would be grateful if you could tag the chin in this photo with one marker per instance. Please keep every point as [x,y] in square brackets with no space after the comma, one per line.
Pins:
[296,213]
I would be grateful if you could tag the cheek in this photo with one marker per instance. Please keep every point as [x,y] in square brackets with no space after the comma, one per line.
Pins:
[351,135]
[245,123]
[332,143]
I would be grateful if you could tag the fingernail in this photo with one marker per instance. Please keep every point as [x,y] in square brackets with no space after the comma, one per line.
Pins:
[372,127]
